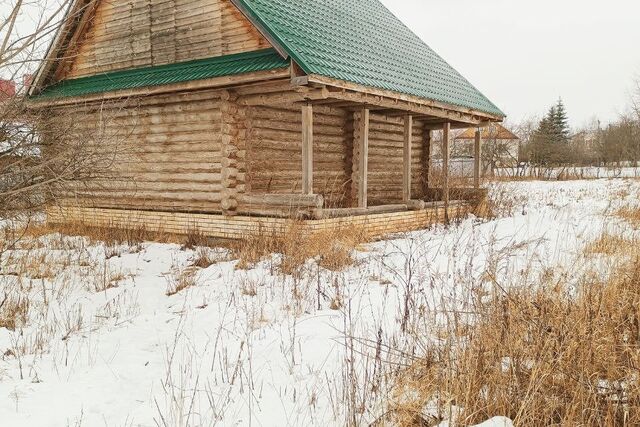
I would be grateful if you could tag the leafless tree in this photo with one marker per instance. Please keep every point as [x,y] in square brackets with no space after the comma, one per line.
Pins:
[46,154]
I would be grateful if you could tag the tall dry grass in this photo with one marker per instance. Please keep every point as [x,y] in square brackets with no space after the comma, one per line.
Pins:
[554,353]
[332,248]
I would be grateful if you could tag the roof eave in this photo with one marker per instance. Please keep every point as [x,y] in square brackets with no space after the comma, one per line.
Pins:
[484,116]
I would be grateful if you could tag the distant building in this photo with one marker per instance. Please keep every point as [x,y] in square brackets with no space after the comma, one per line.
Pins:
[7,89]
[500,146]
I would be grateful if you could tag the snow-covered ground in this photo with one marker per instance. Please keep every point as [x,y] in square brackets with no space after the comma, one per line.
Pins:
[103,344]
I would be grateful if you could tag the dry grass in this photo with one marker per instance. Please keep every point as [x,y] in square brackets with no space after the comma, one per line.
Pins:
[631,214]
[13,312]
[332,248]
[609,244]
[541,355]
[179,280]
[130,237]
[206,257]
[111,236]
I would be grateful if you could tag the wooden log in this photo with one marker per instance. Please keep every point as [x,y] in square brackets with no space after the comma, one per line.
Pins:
[446,140]
[477,163]
[426,159]
[406,159]
[416,205]
[361,157]
[345,212]
[307,149]
[295,200]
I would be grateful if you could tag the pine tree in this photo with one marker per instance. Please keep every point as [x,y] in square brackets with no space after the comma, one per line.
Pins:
[561,123]
[551,139]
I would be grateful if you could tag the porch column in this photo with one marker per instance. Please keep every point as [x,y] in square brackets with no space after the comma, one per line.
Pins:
[446,140]
[426,160]
[406,169]
[361,157]
[307,149]
[477,165]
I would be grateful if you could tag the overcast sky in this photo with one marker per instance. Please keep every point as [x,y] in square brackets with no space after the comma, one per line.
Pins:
[525,54]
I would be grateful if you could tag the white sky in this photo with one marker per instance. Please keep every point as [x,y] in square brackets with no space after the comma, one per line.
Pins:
[524,54]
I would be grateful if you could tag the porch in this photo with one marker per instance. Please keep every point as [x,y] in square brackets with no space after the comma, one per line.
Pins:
[406,135]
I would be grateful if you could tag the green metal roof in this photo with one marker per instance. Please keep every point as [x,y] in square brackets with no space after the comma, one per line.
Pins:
[362,42]
[263,60]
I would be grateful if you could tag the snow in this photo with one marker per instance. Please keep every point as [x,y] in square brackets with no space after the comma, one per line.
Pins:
[256,347]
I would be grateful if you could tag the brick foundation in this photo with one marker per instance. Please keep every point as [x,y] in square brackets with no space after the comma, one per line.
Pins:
[236,227]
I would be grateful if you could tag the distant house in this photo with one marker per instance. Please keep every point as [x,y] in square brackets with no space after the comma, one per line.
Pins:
[501,147]
[7,89]
[245,108]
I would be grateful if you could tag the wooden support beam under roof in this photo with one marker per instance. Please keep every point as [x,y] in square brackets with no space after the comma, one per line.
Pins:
[336,96]
[307,149]
[477,160]
[446,152]
[406,159]
[361,157]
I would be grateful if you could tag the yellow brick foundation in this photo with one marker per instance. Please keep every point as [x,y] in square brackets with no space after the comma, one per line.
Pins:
[375,225]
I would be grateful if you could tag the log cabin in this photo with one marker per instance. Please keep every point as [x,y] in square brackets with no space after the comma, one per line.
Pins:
[254,113]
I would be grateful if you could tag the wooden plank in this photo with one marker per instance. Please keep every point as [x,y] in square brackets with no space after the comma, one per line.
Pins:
[446,141]
[406,159]
[362,158]
[477,163]
[307,149]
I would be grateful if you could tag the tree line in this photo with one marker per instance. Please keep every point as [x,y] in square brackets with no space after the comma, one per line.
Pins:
[549,142]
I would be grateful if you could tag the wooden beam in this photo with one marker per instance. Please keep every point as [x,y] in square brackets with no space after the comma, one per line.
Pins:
[285,98]
[403,107]
[426,159]
[284,200]
[307,149]
[466,112]
[361,157]
[477,164]
[406,158]
[446,140]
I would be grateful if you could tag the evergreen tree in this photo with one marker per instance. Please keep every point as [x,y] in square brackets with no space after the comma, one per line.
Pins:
[561,123]
[551,139]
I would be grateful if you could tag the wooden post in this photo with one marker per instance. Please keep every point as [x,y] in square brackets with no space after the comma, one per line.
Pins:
[307,149]
[446,140]
[477,165]
[426,159]
[406,169]
[361,157]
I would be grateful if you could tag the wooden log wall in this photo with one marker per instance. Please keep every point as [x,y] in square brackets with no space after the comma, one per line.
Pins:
[386,141]
[206,152]
[168,153]
[274,157]
[128,34]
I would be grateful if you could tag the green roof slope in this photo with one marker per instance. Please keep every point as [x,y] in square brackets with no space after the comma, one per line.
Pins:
[228,65]
[362,42]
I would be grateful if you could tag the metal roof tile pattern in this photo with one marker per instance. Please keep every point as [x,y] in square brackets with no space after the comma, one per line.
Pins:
[362,42]
[228,65]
